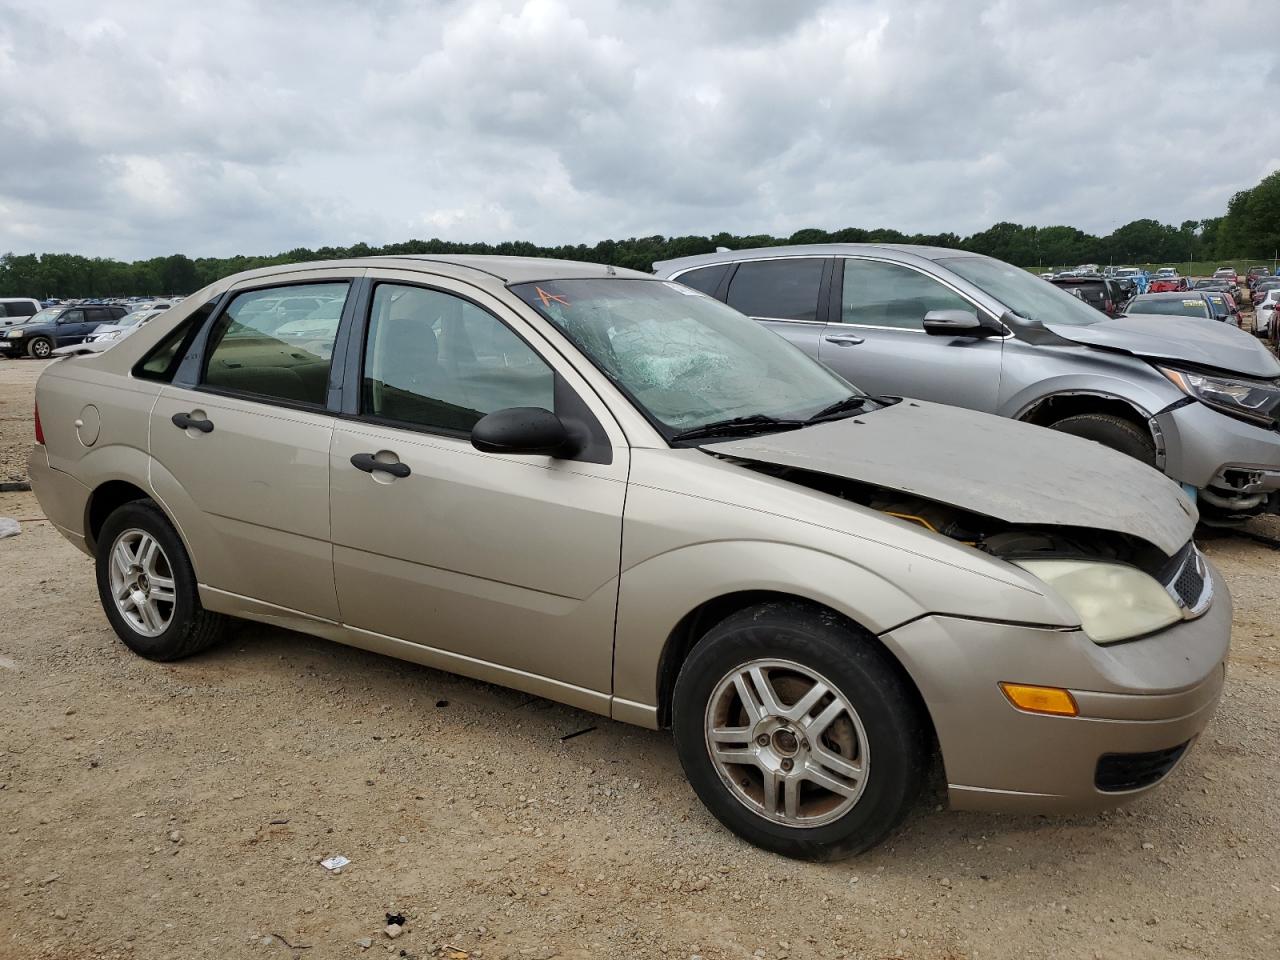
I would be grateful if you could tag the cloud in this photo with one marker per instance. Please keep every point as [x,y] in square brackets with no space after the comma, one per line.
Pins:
[140,128]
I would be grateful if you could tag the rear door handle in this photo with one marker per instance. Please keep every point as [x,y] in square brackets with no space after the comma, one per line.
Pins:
[367,463]
[844,339]
[184,420]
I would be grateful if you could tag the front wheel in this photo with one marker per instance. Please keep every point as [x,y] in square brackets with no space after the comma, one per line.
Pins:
[1111,431]
[40,348]
[148,588]
[799,733]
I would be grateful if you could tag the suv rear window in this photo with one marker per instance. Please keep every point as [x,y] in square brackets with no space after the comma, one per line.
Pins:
[785,289]
[1172,306]
[18,308]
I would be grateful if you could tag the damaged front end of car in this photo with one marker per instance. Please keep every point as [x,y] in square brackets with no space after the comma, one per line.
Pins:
[1109,536]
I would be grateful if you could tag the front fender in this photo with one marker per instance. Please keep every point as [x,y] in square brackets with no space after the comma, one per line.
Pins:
[656,594]
[1147,399]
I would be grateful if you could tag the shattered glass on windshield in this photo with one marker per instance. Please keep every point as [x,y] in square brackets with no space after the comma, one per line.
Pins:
[686,358]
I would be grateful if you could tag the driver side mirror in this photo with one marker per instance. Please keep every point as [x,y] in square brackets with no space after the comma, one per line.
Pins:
[960,323]
[522,430]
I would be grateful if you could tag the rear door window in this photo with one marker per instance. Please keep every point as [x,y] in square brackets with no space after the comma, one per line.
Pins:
[784,289]
[266,353]
[878,294]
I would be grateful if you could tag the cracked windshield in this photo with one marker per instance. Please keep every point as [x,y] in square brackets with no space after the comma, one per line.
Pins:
[686,359]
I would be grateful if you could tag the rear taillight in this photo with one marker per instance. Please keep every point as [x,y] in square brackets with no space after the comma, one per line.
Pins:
[1108,306]
[39,429]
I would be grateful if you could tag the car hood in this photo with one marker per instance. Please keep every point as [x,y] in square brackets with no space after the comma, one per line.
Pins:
[985,464]
[1187,339]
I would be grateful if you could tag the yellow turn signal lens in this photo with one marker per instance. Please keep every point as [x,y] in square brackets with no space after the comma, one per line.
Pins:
[1052,700]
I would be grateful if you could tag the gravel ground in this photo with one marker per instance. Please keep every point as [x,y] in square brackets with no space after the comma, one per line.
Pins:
[179,810]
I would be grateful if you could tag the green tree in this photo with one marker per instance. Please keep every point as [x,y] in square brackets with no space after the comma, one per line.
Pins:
[1251,227]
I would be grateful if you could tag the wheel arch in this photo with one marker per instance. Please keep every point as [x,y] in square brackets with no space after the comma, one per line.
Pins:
[695,624]
[1055,407]
[103,501]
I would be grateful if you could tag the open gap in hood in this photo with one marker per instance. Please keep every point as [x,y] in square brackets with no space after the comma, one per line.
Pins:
[1009,541]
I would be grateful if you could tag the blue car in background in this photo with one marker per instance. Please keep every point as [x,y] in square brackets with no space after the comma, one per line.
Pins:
[1137,277]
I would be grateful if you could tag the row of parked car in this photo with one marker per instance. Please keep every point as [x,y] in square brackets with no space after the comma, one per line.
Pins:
[620,491]
[1215,298]
[27,329]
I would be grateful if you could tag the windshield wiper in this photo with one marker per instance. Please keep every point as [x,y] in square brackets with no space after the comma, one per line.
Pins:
[854,402]
[739,426]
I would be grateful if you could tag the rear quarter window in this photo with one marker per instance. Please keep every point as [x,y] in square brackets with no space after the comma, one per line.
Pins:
[706,279]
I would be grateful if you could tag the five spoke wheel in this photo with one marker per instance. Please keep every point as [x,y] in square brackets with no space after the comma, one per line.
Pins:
[786,742]
[142,582]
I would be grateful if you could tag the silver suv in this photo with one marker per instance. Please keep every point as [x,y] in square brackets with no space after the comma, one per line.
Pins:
[1197,400]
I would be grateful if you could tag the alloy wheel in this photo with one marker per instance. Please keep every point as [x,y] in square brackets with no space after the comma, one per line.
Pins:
[142,582]
[787,743]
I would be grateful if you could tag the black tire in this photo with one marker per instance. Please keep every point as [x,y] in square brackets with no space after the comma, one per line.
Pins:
[40,347]
[1111,431]
[885,701]
[191,628]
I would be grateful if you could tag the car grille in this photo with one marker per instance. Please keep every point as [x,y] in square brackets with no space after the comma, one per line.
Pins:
[1189,585]
[1186,579]
[1118,772]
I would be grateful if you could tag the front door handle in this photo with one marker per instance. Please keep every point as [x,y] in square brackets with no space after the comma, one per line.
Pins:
[844,339]
[184,420]
[367,463]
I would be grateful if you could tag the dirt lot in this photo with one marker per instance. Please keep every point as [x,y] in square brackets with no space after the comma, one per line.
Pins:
[179,811]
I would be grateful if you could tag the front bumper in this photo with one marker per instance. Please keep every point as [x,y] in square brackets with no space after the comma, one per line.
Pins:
[1227,457]
[1136,699]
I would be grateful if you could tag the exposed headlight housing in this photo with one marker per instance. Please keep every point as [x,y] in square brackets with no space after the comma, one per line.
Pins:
[1113,600]
[1257,401]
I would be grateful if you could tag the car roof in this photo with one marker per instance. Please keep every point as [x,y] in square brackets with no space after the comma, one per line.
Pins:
[472,267]
[815,250]
[1172,295]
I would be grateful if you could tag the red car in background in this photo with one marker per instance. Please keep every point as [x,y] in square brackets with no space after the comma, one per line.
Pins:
[1167,284]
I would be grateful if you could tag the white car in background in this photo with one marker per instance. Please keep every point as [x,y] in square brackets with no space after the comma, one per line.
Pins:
[129,323]
[1265,313]
[17,310]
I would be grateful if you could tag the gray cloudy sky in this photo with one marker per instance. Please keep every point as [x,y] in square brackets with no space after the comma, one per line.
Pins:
[131,129]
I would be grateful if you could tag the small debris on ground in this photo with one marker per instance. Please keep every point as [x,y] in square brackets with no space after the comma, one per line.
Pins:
[9,527]
[334,863]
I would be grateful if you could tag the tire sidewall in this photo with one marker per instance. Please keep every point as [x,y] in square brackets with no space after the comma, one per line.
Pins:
[861,673]
[1112,432]
[34,346]
[142,515]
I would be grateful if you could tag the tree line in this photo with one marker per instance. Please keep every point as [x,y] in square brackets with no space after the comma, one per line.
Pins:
[1249,230]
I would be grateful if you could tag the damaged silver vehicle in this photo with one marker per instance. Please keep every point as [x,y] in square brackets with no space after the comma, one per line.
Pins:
[1198,400]
[613,491]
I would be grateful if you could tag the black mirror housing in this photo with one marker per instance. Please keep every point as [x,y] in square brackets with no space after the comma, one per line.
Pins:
[522,430]
[959,323]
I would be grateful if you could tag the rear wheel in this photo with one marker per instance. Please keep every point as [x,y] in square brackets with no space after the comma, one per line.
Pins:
[148,588]
[40,348]
[1111,431]
[799,733]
